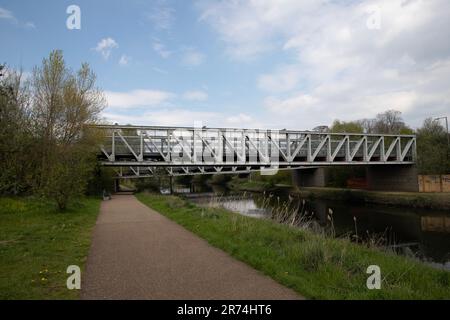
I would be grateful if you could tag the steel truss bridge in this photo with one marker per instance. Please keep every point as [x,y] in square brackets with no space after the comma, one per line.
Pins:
[143,151]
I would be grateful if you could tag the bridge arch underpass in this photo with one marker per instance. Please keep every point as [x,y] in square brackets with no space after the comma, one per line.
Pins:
[141,151]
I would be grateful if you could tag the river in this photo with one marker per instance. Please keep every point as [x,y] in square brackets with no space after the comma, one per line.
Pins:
[424,234]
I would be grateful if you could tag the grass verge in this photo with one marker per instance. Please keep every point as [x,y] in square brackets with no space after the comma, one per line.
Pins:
[251,186]
[313,265]
[38,243]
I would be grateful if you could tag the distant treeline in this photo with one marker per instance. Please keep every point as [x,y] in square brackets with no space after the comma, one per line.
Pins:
[432,147]
[46,149]
[432,143]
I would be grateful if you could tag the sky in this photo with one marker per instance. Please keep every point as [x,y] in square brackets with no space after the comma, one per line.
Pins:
[293,64]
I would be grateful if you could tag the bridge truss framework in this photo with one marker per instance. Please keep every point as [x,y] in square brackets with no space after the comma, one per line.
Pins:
[142,151]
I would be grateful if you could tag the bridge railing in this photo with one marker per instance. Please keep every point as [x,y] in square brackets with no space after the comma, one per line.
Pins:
[211,147]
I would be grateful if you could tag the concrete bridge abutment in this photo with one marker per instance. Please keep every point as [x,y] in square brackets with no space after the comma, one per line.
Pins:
[392,178]
[310,177]
[402,178]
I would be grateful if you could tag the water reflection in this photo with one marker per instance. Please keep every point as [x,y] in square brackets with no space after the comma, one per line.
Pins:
[422,233]
[436,224]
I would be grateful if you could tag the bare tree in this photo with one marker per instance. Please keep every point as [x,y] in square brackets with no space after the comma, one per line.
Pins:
[390,122]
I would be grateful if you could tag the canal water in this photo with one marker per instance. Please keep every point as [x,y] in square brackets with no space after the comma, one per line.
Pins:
[424,234]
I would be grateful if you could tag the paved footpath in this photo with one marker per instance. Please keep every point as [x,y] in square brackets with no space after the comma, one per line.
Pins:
[137,253]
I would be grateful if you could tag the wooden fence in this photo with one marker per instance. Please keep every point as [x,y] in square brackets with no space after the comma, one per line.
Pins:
[434,183]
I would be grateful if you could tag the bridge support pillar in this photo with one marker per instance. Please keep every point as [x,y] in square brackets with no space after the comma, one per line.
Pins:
[310,177]
[392,178]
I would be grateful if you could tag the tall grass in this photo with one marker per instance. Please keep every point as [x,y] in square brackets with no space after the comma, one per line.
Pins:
[294,212]
[314,264]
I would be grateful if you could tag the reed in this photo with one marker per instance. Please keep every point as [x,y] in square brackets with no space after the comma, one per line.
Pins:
[294,213]
[312,263]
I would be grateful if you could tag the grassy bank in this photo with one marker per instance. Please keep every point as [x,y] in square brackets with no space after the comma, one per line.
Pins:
[247,185]
[255,185]
[313,265]
[440,201]
[38,243]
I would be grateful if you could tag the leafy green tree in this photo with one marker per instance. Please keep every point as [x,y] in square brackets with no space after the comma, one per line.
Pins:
[100,180]
[64,103]
[432,148]
[347,127]
[338,176]
[388,122]
[16,141]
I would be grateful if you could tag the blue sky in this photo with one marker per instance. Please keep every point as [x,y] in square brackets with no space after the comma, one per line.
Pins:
[272,64]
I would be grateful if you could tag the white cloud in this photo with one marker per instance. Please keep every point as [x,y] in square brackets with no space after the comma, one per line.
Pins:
[6,14]
[249,28]
[124,60]
[243,120]
[183,117]
[167,117]
[159,70]
[283,79]
[30,25]
[192,57]
[161,49]
[105,46]
[9,16]
[137,98]
[340,68]
[24,75]
[294,103]
[195,95]
[162,16]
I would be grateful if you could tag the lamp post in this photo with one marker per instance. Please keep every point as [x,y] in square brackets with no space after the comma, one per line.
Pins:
[448,136]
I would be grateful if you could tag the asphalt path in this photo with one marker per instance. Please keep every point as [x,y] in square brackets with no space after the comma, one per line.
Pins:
[137,253]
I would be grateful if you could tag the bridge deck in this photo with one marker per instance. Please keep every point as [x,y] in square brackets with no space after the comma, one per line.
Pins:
[202,149]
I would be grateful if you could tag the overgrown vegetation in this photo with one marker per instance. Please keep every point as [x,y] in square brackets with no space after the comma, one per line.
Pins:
[432,146]
[46,147]
[38,243]
[47,166]
[315,266]
[432,149]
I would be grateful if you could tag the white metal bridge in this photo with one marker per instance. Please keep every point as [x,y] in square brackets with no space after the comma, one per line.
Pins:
[138,151]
